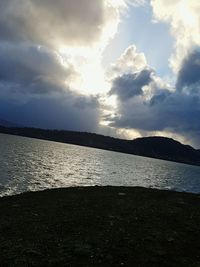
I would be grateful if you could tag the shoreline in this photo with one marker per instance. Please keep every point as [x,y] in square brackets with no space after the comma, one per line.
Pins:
[100,226]
[42,134]
[90,187]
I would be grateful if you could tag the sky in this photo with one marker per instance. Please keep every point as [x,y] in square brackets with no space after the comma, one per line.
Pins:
[125,68]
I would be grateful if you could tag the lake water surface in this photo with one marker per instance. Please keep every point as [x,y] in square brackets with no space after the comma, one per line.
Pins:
[30,164]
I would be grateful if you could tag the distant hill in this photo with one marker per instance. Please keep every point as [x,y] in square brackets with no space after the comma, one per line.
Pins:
[154,147]
[166,148]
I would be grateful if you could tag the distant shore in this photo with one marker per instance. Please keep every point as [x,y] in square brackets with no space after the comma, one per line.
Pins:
[153,147]
[100,226]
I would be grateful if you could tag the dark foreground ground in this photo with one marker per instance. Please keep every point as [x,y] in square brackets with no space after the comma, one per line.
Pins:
[100,226]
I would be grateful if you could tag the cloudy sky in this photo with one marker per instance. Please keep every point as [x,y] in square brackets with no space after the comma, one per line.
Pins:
[125,68]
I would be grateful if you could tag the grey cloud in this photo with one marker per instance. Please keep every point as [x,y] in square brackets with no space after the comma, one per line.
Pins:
[176,111]
[60,112]
[130,85]
[189,73]
[34,84]
[31,69]
[83,102]
[159,97]
[33,91]
[50,22]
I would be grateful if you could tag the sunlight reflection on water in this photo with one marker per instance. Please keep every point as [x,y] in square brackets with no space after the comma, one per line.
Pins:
[29,164]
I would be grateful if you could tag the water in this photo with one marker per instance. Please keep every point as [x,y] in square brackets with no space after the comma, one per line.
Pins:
[29,164]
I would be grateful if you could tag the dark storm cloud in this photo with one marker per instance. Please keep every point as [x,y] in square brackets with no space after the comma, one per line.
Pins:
[35,86]
[189,74]
[50,22]
[130,85]
[159,96]
[174,111]
[31,69]
[177,110]
[34,91]
[60,112]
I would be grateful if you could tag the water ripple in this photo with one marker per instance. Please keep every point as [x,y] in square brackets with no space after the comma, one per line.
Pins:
[29,164]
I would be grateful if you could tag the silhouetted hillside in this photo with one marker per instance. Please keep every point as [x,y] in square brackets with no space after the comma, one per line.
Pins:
[166,148]
[155,147]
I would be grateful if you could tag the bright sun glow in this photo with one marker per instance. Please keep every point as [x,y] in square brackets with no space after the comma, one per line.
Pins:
[92,79]
[87,62]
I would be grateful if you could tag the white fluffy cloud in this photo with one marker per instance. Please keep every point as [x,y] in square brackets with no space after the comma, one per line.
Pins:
[184,19]
[129,62]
